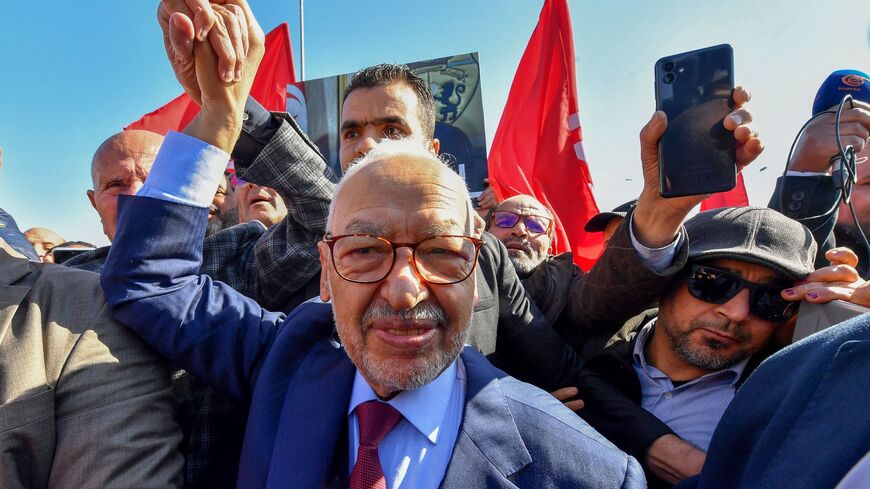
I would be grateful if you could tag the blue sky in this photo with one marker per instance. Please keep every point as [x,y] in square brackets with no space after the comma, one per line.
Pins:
[71,76]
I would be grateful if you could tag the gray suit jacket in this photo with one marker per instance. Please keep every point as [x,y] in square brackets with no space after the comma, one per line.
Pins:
[83,402]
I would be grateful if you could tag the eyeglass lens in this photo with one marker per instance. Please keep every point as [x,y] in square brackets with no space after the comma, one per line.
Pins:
[439,260]
[718,286]
[507,220]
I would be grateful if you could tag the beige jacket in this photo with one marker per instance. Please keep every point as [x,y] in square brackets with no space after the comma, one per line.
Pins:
[83,402]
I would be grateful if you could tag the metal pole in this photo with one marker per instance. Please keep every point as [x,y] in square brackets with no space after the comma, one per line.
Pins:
[302,36]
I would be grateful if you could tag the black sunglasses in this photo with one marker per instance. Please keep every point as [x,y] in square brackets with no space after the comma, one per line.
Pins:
[717,286]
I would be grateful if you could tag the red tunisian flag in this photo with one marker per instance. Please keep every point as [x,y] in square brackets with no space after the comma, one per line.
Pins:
[736,197]
[269,88]
[538,147]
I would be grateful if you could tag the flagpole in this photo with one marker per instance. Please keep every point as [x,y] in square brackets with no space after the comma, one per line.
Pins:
[302,37]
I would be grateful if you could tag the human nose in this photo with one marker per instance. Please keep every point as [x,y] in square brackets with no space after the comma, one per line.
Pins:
[403,288]
[519,229]
[737,308]
[366,143]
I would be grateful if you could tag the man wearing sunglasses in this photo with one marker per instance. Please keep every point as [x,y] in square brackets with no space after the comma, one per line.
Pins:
[660,395]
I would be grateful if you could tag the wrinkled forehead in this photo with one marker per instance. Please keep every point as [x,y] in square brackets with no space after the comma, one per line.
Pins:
[392,200]
[524,205]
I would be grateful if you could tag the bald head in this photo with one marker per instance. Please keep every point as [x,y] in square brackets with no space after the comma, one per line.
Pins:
[142,145]
[43,240]
[119,167]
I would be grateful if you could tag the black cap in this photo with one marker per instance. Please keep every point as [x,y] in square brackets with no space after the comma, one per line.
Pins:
[753,234]
[599,221]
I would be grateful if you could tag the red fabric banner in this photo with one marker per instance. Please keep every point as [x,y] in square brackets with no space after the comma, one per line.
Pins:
[736,197]
[537,149]
[269,88]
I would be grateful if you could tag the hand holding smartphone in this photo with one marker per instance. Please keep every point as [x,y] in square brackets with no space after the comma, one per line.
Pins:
[697,155]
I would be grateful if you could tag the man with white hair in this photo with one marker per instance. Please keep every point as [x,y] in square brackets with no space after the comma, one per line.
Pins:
[372,391]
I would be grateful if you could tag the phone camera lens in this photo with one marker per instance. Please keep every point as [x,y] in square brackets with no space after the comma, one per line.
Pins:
[669,78]
[669,66]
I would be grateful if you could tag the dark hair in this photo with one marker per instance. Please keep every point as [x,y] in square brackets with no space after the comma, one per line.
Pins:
[386,74]
[67,244]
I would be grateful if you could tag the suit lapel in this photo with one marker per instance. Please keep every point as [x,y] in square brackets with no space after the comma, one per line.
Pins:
[313,421]
[12,270]
[488,436]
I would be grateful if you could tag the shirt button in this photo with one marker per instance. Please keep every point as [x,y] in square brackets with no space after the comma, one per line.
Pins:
[245,116]
[668,395]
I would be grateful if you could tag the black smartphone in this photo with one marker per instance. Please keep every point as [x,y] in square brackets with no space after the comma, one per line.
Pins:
[63,254]
[697,155]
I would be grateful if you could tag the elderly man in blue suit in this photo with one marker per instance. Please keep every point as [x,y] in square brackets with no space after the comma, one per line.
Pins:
[376,389]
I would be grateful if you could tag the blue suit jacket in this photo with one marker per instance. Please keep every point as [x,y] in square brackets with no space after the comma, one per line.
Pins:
[801,420]
[297,378]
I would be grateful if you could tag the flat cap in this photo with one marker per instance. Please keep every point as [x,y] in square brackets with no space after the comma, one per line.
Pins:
[753,234]
[599,221]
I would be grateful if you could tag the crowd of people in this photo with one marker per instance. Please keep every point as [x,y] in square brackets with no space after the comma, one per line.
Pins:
[259,321]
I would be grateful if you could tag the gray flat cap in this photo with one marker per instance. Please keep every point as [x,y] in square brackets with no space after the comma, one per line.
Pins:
[753,234]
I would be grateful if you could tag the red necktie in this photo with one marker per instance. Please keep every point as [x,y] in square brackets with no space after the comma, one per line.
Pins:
[375,419]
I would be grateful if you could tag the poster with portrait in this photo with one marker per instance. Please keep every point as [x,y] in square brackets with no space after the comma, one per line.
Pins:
[455,85]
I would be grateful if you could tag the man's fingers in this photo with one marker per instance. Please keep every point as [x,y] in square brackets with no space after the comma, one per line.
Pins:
[181,35]
[565,393]
[748,151]
[203,17]
[740,96]
[842,256]
[219,40]
[231,23]
[243,26]
[737,118]
[745,133]
[575,405]
[650,136]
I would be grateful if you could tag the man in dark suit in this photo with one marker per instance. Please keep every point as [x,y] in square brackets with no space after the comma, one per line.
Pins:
[375,394]
[800,420]
[809,191]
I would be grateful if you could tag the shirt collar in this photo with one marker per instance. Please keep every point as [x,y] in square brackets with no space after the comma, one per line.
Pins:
[735,371]
[425,407]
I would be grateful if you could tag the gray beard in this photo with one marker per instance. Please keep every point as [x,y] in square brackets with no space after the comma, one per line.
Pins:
[409,378]
[524,264]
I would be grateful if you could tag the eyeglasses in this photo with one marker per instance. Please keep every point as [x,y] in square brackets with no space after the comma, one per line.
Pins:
[717,286]
[534,224]
[233,178]
[365,258]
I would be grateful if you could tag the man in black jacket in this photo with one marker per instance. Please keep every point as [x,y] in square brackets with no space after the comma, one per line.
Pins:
[809,192]
[684,362]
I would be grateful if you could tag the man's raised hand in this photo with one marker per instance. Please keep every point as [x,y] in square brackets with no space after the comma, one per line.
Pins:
[186,21]
[656,220]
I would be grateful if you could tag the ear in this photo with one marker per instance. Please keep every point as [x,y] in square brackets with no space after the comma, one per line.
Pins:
[435,146]
[325,290]
[91,198]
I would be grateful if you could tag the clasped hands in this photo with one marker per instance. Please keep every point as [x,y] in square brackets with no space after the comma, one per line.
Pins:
[214,49]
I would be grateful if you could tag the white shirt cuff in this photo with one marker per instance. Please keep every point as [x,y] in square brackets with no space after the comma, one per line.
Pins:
[186,171]
[657,259]
[793,173]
